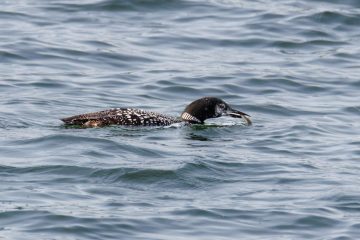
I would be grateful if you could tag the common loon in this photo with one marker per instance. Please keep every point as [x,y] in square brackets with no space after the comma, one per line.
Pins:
[195,113]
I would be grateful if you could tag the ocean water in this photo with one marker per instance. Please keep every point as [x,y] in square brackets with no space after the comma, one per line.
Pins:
[294,66]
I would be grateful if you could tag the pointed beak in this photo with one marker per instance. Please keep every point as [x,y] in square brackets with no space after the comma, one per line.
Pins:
[237,114]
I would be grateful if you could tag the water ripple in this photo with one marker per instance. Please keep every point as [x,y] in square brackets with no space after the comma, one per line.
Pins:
[292,65]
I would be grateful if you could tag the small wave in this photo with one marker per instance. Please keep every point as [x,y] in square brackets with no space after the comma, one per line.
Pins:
[125,5]
[332,17]
[307,44]
[7,56]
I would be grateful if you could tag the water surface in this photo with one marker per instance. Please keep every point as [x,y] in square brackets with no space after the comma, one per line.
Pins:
[294,66]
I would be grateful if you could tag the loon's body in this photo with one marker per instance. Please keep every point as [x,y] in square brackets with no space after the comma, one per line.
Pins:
[195,113]
[121,116]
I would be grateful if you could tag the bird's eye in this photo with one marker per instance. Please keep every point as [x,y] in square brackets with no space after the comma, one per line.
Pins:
[222,106]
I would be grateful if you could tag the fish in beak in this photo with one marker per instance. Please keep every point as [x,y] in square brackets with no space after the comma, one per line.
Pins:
[237,114]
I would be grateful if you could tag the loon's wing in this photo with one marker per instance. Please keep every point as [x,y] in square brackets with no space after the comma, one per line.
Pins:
[120,116]
[102,116]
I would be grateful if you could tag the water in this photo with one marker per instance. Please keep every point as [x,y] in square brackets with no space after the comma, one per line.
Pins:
[294,66]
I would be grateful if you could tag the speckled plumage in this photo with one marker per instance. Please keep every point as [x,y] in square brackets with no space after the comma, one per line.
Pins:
[121,116]
[196,112]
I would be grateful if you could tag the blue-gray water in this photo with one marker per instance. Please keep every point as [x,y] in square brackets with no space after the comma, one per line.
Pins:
[294,66]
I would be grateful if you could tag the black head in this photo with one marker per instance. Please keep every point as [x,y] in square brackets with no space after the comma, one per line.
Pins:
[210,107]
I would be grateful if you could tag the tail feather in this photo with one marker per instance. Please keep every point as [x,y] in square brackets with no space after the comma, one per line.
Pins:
[74,120]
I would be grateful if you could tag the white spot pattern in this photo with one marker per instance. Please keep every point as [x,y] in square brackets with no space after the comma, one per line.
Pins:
[123,116]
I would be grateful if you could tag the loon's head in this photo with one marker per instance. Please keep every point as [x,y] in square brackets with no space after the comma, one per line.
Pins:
[210,107]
